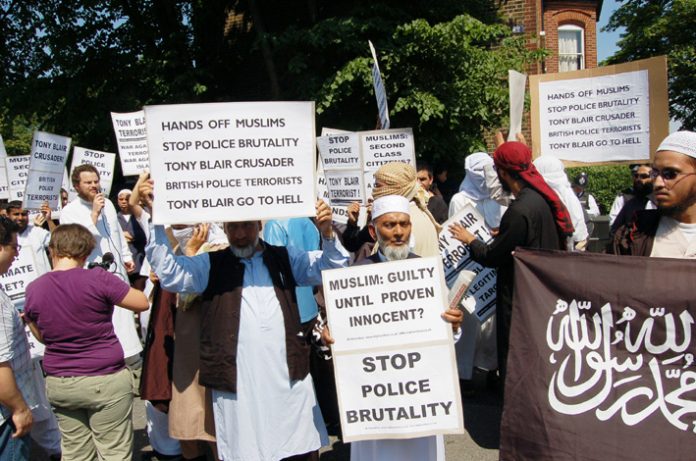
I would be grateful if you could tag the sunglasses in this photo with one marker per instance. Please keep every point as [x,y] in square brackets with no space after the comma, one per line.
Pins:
[642,175]
[668,174]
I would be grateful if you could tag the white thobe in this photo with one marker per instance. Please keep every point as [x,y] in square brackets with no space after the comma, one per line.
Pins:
[109,237]
[477,346]
[420,449]
[269,417]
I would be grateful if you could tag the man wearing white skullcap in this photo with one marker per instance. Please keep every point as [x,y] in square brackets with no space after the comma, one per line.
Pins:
[669,231]
[391,227]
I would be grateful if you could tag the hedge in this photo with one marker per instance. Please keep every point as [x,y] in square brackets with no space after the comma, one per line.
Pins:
[605,182]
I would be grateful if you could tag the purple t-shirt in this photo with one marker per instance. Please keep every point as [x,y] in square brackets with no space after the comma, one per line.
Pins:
[73,310]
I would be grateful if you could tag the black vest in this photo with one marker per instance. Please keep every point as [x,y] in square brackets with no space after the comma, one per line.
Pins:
[220,317]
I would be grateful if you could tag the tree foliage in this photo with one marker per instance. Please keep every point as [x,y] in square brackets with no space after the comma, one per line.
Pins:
[662,27]
[66,64]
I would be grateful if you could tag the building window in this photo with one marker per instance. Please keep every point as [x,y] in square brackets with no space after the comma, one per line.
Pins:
[571,48]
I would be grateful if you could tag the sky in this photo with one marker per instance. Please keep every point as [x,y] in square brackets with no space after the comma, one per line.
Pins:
[606,41]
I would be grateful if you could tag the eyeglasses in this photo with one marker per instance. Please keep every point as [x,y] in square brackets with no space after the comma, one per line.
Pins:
[669,174]
[643,175]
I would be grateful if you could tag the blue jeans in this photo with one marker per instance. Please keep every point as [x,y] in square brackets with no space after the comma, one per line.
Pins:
[13,449]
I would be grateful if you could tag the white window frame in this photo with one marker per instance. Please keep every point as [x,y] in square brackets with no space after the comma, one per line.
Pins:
[574,28]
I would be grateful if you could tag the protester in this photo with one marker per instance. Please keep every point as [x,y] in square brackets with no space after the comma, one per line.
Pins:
[391,228]
[98,215]
[134,234]
[535,219]
[639,195]
[477,347]
[670,230]
[34,239]
[443,185]
[553,172]
[69,309]
[253,349]
[474,191]
[436,204]
[31,237]
[17,391]
[397,178]
[191,407]
[354,237]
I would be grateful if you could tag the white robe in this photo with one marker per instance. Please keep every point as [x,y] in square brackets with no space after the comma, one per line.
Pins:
[270,417]
[421,449]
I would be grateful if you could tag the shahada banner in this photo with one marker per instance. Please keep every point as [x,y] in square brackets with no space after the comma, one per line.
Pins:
[601,363]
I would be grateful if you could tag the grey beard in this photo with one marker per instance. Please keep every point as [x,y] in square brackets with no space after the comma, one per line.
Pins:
[392,253]
[246,251]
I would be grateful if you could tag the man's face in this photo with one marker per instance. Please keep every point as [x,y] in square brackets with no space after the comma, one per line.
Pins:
[503,177]
[20,217]
[243,236]
[425,179]
[8,253]
[88,187]
[642,182]
[392,231]
[123,203]
[675,186]
[63,198]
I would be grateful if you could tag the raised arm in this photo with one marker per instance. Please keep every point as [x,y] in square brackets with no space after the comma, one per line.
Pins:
[308,265]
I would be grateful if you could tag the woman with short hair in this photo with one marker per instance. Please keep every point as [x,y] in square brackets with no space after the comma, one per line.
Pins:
[69,309]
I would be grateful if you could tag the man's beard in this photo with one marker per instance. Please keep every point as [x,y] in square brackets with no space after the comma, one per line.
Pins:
[392,253]
[245,251]
[643,189]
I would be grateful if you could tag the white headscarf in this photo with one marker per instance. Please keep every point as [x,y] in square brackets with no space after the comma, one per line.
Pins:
[551,168]
[474,183]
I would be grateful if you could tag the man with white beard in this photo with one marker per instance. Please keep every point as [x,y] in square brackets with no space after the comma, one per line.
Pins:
[391,228]
[253,350]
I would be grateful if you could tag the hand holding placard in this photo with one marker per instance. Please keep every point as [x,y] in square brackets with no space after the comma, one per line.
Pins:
[324,217]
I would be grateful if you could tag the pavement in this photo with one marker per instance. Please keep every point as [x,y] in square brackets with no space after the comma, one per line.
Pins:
[479,442]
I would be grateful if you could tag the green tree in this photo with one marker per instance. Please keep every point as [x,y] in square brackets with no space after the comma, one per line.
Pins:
[662,27]
[66,64]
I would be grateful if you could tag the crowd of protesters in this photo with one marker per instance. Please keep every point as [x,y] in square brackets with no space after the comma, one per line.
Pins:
[234,354]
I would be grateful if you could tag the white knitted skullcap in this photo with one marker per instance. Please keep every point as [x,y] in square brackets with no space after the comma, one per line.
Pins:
[124,191]
[389,204]
[683,142]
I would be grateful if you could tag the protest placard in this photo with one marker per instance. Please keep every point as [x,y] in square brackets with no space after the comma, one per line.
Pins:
[49,153]
[480,297]
[601,361]
[4,187]
[231,161]
[393,353]
[131,139]
[385,146]
[102,161]
[17,167]
[19,275]
[600,115]
[380,91]
[342,166]
[517,83]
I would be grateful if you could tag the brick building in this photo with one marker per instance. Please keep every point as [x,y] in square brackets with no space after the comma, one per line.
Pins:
[573,23]
[565,28]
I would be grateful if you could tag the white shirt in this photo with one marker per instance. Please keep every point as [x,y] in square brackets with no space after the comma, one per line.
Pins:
[107,232]
[37,238]
[674,239]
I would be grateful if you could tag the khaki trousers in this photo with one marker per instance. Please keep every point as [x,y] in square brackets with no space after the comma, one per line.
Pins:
[94,415]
